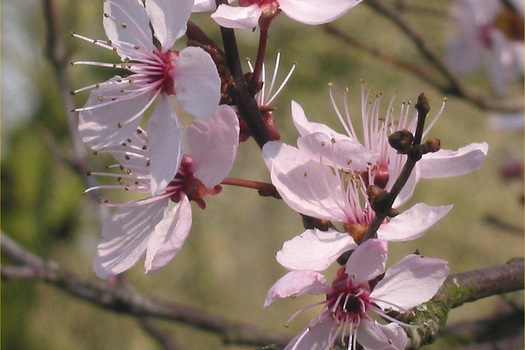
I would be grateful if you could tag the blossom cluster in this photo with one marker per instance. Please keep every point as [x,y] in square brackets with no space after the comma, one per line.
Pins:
[328,176]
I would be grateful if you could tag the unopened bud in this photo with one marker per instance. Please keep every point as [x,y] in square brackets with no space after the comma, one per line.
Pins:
[431,146]
[376,197]
[401,141]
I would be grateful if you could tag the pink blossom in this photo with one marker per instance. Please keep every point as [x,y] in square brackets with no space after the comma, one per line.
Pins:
[492,32]
[250,12]
[385,163]
[156,227]
[357,291]
[115,107]
[319,190]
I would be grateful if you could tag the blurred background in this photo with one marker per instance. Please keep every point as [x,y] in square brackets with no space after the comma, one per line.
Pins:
[227,263]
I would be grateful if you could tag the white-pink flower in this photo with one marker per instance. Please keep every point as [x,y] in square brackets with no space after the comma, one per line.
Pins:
[115,107]
[357,291]
[319,190]
[249,12]
[491,31]
[156,227]
[385,163]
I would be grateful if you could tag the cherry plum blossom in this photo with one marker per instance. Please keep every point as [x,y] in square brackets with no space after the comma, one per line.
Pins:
[318,190]
[157,226]
[115,107]
[358,291]
[490,33]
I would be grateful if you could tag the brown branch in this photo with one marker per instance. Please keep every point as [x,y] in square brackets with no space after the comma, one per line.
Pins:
[124,299]
[377,53]
[459,289]
[246,104]
[382,202]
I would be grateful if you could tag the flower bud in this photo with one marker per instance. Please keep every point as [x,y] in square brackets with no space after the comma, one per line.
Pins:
[401,141]
[431,146]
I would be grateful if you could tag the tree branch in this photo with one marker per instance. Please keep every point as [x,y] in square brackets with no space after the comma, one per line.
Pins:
[459,289]
[124,299]
[246,104]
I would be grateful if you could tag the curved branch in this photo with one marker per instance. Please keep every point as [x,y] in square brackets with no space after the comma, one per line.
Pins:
[124,299]
[459,289]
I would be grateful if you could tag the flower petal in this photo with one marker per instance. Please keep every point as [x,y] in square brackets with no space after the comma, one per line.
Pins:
[125,235]
[412,281]
[446,163]
[412,223]
[197,82]
[308,187]
[126,21]
[169,236]
[168,19]
[296,283]
[237,16]
[213,145]
[314,249]
[305,127]
[205,5]
[338,152]
[318,335]
[108,107]
[315,11]
[373,335]
[165,144]
[367,261]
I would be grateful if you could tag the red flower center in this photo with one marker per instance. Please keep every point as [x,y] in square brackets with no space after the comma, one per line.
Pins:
[346,301]
[185,183]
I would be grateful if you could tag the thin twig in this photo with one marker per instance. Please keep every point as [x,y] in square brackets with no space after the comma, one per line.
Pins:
[454,85]
[383,206]
[164,339]
[246,104]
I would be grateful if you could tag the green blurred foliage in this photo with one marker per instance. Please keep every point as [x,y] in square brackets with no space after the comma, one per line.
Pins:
[227,264]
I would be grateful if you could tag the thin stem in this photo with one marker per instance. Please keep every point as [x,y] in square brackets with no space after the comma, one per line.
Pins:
[261,52]
[383,208]
[246,104]
[264,189]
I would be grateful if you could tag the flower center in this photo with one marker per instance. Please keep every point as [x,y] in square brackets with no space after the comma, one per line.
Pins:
[380,174]
[185,183]
[170,62]
[347,301]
